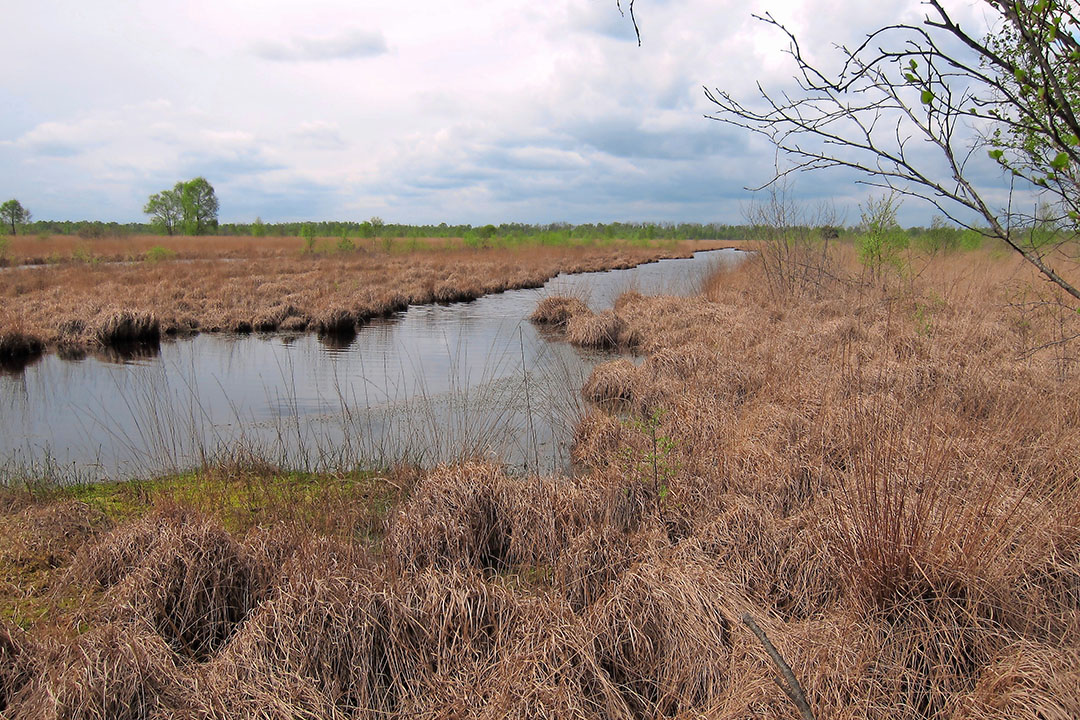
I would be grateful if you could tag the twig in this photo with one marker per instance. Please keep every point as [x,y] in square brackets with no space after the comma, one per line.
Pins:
[790,686]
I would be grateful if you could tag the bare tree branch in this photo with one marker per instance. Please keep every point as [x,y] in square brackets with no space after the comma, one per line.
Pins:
[907,87]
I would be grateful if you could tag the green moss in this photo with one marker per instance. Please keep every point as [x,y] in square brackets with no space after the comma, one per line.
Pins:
[242,499]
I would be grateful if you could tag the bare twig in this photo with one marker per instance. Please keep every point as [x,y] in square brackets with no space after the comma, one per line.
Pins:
[790,684]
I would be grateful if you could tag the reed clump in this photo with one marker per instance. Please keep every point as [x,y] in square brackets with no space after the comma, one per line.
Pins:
[117,671]
[182,575]
[601,331]
[17,344]
[557,310]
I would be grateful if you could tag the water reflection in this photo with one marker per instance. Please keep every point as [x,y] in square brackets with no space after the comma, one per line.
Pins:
[432,384]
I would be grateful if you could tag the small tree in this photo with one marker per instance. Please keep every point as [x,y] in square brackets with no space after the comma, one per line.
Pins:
[14,214]
[377,227]
[307,234]
[258,228]
[190,206]
[165,210]
[881,239]
[200,206]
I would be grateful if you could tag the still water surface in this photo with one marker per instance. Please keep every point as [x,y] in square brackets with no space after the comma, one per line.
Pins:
[431,384]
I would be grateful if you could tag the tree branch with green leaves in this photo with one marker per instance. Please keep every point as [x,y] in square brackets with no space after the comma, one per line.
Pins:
[1013,94]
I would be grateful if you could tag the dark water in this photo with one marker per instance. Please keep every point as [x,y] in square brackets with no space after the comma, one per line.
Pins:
[432,384]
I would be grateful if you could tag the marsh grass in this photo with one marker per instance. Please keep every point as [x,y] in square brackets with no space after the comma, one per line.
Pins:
[77,306]
[897,508]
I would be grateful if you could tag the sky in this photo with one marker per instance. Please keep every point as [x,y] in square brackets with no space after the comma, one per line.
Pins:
[416,112]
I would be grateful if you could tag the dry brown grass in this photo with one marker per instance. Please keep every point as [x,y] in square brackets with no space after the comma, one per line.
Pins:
[601,331]
[884,480]
[72,307]
[557,311]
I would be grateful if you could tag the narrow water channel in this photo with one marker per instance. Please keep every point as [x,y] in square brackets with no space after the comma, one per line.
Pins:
[432,384]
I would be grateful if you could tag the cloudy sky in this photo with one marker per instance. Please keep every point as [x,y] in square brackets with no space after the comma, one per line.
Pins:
[422,111]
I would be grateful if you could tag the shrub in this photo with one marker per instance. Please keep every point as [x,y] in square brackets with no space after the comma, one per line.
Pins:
[159,253]
[307,234]
[881,240]
[345,244]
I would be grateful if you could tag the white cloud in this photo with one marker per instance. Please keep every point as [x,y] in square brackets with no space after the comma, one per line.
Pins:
[483,111]
[347,45]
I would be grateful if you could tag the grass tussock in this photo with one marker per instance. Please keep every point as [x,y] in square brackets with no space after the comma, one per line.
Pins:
[15,670]
[601,331]
[557,310]
[884,481]
[125,327]
[17,345]
[182,575]
[117,671]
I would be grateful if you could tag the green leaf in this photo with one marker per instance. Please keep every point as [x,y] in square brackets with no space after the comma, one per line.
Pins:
[912,64]
[911,78]
[1072,140]
[927,97]
[1020,75]
[1060,162]
[996,155]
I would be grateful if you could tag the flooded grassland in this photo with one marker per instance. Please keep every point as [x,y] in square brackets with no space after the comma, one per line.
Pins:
[883,477]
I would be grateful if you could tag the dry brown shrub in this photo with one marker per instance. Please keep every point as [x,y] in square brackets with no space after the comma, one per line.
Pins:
[612,382]
[472,516]
[115,672]
[1027,681]
[663,632]
[15,663]
[602,332]
[557,310]
[183,575]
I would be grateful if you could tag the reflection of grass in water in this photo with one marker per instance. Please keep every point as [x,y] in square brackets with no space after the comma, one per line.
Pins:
[167,427]
[170,427]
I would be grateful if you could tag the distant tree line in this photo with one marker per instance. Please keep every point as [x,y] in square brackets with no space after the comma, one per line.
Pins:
[938,235]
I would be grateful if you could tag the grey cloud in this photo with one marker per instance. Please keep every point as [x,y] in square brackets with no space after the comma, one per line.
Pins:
[238,165]
[347,45]
[295,199]
[320,136]
[625,139]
